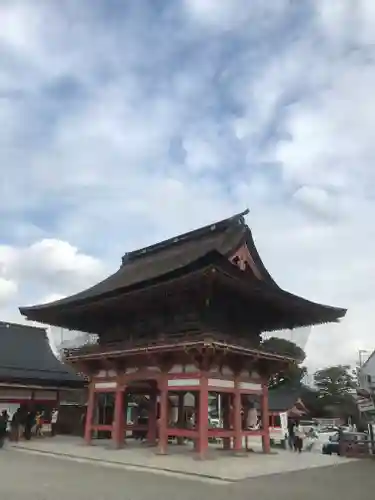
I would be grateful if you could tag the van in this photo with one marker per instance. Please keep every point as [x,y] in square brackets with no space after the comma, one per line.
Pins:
[279,428]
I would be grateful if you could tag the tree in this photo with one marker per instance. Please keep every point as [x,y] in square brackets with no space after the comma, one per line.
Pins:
[335,382]
[285,347]
[294,373]
[335,385]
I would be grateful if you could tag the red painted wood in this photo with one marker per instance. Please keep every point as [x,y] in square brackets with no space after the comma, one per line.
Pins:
[180,415]
[89,414]
[187,433]
[102,427]
[226,401]
[118,420]
[163,418]
[265,421]
[237,419]
[184,388]
[220,433]
[203,418]
[196,416]
[152,419]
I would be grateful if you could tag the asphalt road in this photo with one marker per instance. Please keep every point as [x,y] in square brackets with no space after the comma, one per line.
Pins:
[32,477]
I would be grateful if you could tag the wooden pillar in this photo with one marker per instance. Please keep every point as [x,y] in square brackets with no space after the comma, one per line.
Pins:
[226,402]
[152,418]
[203,417]
[237,418]
[163,417]
[89,413]
[181,414]
[196,419]
[118,418]
[265,420]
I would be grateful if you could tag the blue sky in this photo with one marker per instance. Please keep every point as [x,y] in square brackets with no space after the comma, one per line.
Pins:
[126,122]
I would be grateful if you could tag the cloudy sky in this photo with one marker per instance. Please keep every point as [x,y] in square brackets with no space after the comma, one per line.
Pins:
[124,122]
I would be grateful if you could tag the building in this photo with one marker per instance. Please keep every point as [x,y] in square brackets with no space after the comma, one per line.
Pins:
[184,316]
[285,402]
[366,375]
[30,374]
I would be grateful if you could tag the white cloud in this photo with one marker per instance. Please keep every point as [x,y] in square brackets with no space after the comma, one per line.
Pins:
[8,290]
[45,271]
[139,124]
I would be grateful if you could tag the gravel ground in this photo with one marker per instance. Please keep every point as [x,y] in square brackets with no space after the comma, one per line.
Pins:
[33,477]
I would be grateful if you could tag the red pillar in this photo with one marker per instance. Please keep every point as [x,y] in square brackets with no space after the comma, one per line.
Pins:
[265,420]
[226,399]
[118,419]
[90,413]
[163,417]
[180,415]
[237,418]
[152,419]
[203,418]
[196,419]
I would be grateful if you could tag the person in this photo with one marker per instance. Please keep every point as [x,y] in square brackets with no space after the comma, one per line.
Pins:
[3,427]
[29,423]
[15,425]
[41,423]
[291,436]
[298,438]
[54,417]
[311,438]
[36,427]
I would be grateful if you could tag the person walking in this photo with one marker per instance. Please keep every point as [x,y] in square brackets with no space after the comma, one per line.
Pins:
[14,426]
[54,417]
[291,436]
[3,427]
[298,439]
[29,424]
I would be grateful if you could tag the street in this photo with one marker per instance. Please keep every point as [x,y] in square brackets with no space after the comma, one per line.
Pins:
[33,477]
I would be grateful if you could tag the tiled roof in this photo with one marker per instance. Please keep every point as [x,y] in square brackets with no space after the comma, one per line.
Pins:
[26,356]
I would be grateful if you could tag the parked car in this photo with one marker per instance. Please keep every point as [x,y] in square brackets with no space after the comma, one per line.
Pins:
[333,444]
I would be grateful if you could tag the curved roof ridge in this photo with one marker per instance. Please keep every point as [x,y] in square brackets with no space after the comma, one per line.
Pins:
[184,237]
[161,260]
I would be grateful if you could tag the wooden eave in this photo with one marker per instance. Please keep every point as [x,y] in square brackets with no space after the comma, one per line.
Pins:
[77,354]
[300,311]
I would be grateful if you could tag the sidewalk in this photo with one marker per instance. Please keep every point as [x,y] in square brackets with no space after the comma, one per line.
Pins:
[220,466]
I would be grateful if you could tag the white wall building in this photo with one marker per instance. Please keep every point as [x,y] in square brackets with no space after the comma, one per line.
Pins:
[366,375]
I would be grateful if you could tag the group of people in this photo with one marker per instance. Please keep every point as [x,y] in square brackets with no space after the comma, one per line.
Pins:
[24,423]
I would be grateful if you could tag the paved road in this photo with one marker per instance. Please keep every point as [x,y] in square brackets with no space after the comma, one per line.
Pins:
[32,477]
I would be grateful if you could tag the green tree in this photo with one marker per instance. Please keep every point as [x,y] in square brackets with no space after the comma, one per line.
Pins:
[285,347]
[335,385]
[294,373]
[335,382]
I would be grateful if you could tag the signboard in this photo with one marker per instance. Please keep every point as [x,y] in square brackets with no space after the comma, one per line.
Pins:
[365,404]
